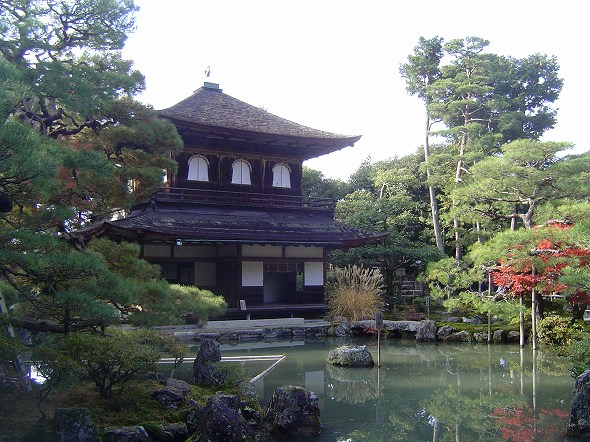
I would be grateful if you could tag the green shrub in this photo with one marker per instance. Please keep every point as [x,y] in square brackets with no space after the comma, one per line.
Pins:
[557,330]
[419,304]
[355,293]
[109,360]
[579,356]
[198,304]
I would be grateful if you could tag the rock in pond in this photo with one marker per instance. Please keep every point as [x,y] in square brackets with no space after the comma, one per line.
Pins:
[579,423]
[292,411]
[205,368]
[348,356]
[74,425]
[426,331]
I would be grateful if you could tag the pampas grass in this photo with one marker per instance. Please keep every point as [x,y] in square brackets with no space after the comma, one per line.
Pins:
[355,293]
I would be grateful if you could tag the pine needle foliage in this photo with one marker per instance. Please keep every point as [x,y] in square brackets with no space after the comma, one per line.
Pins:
[355,293]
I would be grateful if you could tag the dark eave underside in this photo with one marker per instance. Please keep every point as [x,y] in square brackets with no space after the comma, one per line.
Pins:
[213,225]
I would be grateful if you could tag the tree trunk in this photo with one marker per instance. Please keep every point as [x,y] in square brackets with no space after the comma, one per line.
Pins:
[534,317]
[432,193]
[458,177]
[527,218]
[458,245]
[521,322]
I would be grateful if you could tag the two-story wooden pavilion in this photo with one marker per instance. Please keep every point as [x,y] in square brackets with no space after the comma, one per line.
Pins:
[232,219]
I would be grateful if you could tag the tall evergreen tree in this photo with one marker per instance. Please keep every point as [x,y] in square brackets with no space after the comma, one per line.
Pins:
[74,147]
[484,101]
[421,71]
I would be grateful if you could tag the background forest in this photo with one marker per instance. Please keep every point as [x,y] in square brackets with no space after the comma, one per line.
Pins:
[480,188]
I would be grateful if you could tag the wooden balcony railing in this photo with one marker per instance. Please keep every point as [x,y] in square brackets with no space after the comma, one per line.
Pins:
[243,199]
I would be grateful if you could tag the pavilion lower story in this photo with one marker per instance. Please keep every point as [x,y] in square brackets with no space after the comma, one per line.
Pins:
[256,280]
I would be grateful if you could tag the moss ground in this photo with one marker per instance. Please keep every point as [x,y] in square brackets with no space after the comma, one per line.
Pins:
[19,412]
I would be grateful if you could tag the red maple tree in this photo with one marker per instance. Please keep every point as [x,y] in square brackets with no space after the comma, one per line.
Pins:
[541,268]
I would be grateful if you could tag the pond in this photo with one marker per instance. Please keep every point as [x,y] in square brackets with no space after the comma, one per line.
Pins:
[422,391]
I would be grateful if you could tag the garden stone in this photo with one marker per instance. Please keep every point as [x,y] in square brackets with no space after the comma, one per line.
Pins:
[481,337]
[205,369]
[174,394]
[426,331]
[292,411]
[499,336]
[126,434]
[220,420]
[447,318]
[343,328]
[176,432]
[514,337]
[579,423]
[298,333]
[74,425]
[445,331]
[477,319]
[462,336]
[351,356]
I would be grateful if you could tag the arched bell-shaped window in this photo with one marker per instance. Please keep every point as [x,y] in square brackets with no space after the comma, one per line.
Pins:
[281,176]
[241,171]
[198,168]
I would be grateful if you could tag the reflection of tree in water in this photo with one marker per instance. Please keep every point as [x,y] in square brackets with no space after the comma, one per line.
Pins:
[467,417]
[479,393]
[522,423]
[352,385]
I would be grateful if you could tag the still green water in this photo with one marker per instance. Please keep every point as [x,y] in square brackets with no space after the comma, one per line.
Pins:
[423,392]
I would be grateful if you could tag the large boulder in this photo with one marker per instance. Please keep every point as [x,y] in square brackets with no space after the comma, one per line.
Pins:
[579,423]
[342,328]
[461,336]
[220,419]
[174,394]
[499,336]
[514,337]
[445,331]
[426,331]
[74,425]
[292,411]
[348,356]
[126,434]
[481,337]
[205,368]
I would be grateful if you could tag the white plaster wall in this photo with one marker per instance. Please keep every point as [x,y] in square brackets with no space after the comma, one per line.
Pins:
[262,251]
[252,274]
[304,252]
[313,273]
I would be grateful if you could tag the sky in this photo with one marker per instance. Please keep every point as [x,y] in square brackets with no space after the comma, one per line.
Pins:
[334,64]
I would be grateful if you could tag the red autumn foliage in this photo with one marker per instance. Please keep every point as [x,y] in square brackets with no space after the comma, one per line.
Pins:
[515,274]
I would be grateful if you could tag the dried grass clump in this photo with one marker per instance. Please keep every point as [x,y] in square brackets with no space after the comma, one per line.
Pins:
[355,293]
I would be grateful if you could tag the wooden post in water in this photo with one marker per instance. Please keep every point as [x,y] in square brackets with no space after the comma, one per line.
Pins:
[378,326]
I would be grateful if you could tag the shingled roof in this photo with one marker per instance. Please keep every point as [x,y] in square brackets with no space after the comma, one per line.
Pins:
[209,109]
[223,225]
